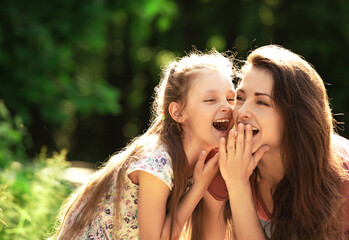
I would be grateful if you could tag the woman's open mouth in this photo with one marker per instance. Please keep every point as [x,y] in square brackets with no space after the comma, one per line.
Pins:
[254,131]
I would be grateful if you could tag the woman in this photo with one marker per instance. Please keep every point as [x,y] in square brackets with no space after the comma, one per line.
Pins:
[299,187]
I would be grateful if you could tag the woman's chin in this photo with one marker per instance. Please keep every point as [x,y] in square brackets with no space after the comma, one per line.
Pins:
[255,148]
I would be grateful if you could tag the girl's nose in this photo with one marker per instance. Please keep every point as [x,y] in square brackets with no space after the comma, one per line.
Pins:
[226,107]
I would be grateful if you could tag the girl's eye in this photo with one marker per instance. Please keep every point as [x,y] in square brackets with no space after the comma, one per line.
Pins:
[209,100]
[230,99]
[263,103]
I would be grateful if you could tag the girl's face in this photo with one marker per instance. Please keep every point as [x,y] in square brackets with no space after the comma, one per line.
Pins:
[208,110]
[255,106]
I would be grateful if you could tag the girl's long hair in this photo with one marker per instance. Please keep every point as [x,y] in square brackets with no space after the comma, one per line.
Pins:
[173,87]
[308,201]
[223,62]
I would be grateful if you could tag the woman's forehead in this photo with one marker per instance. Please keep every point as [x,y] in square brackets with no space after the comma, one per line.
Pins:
[257,79]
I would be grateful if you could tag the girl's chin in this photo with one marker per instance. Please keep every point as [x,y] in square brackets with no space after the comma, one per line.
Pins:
[215,143]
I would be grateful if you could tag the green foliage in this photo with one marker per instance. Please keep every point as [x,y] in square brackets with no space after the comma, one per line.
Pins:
[69,67]
[31,192]
[13,137]
[31,195]
[52,53]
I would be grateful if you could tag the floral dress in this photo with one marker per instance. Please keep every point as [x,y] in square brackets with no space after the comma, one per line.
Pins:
[157,162]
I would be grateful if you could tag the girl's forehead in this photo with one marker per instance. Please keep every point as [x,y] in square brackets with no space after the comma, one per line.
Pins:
[211,79]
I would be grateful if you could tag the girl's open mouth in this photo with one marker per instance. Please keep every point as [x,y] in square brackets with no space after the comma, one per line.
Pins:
[221,124]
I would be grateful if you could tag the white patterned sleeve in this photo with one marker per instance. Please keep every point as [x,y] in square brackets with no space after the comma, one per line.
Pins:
[157,163]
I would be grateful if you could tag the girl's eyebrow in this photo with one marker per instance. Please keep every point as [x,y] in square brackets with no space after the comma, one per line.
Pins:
[256,93]
[215,90]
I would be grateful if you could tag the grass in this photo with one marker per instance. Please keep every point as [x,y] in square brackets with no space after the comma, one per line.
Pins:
[31,195]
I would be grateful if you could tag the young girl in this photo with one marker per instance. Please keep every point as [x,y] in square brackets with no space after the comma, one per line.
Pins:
[141,192]
[300,188]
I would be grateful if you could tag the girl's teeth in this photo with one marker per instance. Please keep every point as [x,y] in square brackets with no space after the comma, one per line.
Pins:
[224,120]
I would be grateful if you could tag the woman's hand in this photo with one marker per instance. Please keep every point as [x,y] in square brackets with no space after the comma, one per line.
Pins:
[236,161]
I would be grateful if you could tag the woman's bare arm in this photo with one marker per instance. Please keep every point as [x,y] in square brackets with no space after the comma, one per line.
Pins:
[236,165]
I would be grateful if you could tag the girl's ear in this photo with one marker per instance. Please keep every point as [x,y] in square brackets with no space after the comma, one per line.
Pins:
[175,110]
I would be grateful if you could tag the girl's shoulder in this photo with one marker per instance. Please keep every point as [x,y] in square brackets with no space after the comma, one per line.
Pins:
[155,161]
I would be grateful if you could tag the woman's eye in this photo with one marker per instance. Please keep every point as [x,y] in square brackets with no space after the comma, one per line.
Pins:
[239,98]
[263,103]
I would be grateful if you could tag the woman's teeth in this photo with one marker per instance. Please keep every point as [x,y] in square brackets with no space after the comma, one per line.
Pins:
[254,131]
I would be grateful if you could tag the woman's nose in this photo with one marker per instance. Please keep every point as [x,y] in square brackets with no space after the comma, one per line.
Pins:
[244,112]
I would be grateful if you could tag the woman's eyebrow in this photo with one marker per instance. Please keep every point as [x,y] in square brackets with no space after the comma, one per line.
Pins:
[263,94]
[256,94]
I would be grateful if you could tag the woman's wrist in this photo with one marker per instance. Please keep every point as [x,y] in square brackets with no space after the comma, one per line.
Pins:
[239,190]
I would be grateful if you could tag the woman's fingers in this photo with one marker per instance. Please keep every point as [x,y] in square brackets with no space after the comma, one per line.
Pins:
[257,156]
[248,141]
[230,148]
[231,140]
[222,150]
[240,140]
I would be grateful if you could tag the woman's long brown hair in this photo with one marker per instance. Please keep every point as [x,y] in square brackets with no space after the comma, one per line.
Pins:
[308,201]
[173,87]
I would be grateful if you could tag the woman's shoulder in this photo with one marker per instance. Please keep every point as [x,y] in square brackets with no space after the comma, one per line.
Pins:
[341,147]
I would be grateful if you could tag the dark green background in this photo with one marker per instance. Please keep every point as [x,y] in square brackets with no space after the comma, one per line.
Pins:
[81,74]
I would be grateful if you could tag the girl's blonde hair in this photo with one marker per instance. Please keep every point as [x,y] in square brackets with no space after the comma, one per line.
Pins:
[173,87]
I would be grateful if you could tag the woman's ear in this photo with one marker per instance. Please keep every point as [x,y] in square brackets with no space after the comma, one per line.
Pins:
[175,110]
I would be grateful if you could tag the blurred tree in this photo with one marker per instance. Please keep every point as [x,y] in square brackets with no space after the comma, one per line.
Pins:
[51,62]
[68,68]
[13,138]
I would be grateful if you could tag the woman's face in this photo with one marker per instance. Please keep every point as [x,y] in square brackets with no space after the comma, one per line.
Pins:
[255,106]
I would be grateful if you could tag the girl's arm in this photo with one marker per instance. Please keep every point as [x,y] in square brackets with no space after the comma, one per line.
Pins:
[236,165]
[214,226]
[154,222]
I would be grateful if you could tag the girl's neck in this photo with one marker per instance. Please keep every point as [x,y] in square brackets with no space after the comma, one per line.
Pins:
[193,152]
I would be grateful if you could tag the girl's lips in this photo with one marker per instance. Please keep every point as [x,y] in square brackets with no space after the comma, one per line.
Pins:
[221,124]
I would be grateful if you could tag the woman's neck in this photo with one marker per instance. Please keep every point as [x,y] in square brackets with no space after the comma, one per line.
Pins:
[270,173]
[271,169]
